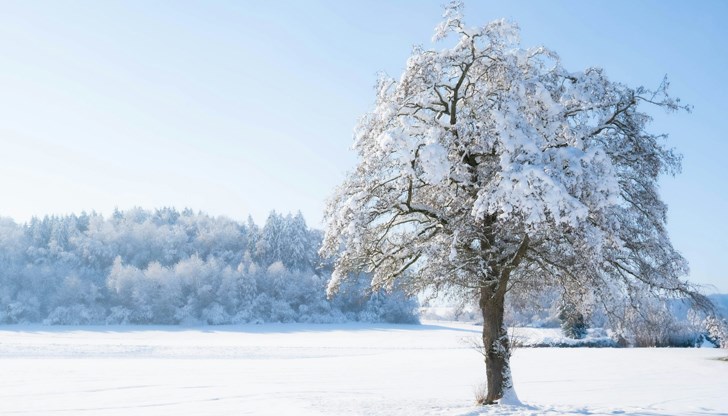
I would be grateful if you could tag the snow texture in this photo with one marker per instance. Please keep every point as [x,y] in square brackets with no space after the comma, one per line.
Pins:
[352,369]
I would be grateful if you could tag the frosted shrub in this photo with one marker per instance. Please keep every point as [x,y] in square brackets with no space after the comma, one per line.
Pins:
[74,315]
[215,314]
[118,315]
[573,323]
[717,331]
[24,310]
[281,311]
[392,308]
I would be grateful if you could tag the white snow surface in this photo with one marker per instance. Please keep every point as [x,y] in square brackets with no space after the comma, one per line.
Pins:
[344,369]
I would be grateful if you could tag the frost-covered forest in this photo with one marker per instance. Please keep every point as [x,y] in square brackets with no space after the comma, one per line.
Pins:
[171,267]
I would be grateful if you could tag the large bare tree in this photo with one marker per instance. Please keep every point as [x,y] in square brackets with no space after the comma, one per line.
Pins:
[488,167]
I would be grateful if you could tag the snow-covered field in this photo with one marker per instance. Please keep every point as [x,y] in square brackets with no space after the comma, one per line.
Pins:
[352,369]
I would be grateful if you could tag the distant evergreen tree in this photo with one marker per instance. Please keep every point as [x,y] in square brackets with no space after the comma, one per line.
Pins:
[298,253]
[573,324]
[269,246]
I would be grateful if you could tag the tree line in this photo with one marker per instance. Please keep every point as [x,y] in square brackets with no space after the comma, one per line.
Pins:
[170,267]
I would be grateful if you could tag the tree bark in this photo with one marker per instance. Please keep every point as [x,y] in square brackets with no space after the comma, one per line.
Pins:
[496,345]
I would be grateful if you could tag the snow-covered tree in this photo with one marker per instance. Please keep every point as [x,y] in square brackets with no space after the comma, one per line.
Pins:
[717,329]
[573,323]
[299,255]
[270,245]
[489,167]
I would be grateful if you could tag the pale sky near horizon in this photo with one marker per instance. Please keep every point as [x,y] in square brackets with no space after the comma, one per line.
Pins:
[239,108]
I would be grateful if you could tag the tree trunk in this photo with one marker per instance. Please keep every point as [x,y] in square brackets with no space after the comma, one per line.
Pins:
[497,349]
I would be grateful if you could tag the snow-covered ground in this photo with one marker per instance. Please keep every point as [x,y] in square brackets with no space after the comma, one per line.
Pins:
[352,369]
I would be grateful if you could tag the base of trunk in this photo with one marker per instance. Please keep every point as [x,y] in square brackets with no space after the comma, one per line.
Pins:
[496,346]
[510,398]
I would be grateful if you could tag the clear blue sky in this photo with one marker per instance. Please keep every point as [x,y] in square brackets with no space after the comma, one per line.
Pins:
[239,108]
